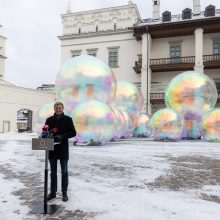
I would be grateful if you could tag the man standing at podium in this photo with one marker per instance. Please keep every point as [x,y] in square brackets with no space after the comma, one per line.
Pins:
[64,129]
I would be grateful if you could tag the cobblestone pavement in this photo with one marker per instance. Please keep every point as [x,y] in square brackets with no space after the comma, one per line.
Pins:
[182,173]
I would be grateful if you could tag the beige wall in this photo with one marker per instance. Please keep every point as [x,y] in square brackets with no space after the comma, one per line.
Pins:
[160,48]
[208,42]
[128,50]
[14,98]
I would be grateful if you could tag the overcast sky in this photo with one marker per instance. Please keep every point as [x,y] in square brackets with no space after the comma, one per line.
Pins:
[32,26]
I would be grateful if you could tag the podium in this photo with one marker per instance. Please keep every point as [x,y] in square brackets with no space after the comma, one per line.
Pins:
[42,207]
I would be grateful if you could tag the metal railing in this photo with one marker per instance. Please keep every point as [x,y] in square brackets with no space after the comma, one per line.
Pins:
[157,95]
[211,58]
[164,61]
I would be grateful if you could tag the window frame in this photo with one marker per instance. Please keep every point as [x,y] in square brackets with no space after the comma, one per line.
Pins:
[113,57]
[92,51]
[75,53]
[175,45]
[216,42]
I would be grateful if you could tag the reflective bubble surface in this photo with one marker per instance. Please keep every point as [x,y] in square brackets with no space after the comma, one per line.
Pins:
[210,125]
[128,98]
[166,124]
[129,125]
[94,122]
[120,124]
[43,113]
[84,78]
[191,92]
[142,127]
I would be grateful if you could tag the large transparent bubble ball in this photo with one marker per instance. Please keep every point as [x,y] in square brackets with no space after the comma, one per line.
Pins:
[120,124]
[94,122]
[191,129]
[128,98]
[129,125]
[142,127]
[84,78]
[210,125]
[191,92]
[43,113]
[166,124]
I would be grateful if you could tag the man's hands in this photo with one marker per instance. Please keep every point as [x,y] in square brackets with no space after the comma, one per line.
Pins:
[58,138]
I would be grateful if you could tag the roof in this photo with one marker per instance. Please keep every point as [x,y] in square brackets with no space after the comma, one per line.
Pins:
[174,18]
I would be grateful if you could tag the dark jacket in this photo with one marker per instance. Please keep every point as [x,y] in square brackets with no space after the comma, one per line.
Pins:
[66,130]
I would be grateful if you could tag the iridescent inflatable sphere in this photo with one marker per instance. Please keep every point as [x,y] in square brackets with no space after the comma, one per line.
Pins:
[128,98]
[94,122]
[43,113]
[84,78]
[191,92]
[129,125]
[120,124]
[210,125]
[142,126]
[166,125]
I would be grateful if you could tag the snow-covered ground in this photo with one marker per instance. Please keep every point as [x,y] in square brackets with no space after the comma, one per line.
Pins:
[136,179]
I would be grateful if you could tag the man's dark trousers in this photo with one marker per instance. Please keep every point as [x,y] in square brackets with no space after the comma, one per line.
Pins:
[64,172]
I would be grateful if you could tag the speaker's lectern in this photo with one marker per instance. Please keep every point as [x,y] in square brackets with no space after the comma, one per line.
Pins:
[44,144]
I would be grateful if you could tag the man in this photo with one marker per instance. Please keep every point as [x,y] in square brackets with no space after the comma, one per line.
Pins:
[63,125]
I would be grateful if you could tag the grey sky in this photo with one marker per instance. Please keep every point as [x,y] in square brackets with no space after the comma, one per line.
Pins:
[32,27]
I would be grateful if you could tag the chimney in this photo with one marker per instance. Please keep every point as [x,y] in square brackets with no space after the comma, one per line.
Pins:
[68,8]
[156,10]
[196,7]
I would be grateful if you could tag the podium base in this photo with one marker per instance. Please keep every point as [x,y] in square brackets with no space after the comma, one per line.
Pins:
[39,209]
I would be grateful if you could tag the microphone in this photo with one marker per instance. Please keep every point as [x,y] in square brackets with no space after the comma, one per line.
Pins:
[47,133]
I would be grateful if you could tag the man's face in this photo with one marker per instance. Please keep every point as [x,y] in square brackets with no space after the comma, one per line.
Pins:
[58,109]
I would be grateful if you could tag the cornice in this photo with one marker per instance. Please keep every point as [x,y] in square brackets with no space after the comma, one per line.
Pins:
[101,33]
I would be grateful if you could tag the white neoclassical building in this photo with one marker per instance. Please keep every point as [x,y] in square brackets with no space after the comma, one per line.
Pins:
[19,105]
[147,52]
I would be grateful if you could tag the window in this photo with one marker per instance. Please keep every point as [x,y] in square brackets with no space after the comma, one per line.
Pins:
[92,52]
[175,52]
[113,57]
[76,53]
[155,2]
[97,28]
[216,47]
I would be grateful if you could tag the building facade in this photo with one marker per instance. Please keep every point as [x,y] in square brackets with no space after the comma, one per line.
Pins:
[2,56]
[147,52]
[104,33]
[172,44]
[16,102]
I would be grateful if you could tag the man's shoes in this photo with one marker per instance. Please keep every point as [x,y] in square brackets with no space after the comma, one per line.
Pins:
[65,197]
[51,196]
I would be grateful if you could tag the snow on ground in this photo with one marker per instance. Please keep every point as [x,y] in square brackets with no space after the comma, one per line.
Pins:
[136,179]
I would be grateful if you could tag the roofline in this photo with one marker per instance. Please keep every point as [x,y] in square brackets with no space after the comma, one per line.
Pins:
[11,85]
[102,10]
[177,22]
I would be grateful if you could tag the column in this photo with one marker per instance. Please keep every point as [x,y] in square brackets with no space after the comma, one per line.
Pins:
[146,72]
[199,67]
